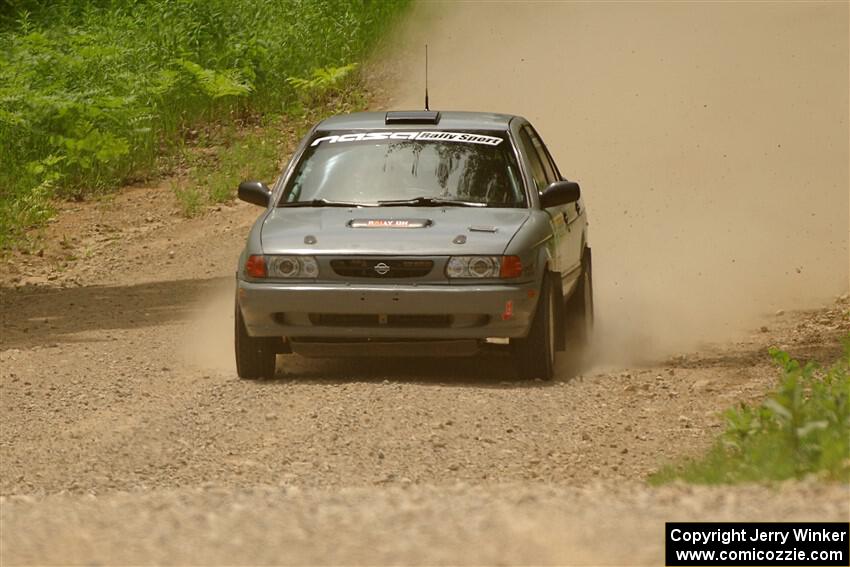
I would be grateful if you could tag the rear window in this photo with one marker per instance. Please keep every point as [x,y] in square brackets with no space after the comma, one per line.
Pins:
[368,167]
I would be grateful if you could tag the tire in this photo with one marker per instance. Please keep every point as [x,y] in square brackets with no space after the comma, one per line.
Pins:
[535,354]
[579,308]
[256,357]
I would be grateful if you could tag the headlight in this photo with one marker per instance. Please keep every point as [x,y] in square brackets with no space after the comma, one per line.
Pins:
[282,267]
[484,267]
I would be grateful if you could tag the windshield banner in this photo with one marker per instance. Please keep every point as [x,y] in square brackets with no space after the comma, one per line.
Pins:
[426,136]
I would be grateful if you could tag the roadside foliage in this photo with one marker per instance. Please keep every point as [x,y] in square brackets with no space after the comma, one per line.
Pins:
[802,428]
[94,93]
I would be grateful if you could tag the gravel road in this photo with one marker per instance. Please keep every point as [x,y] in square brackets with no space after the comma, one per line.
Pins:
[453,524]
[126,438]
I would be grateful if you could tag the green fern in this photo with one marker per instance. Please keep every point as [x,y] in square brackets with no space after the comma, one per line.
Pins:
[322,80]
[111,89]
[217,84]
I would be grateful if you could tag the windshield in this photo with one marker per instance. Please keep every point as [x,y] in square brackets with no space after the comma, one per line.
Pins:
[392,168]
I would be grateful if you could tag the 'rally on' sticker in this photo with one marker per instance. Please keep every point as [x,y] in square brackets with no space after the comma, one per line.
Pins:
[389,223]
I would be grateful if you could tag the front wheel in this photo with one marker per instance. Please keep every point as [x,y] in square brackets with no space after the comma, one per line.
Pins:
[255,356]
[535,354]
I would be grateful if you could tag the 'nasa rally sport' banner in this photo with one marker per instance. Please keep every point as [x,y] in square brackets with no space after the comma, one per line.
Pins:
[426,136]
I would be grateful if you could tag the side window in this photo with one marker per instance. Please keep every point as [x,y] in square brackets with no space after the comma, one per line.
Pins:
[538,173]
[545,158]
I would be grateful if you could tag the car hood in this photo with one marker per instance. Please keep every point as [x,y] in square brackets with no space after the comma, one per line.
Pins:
[427,231]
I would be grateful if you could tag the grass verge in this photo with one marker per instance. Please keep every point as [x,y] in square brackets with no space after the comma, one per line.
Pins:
[217,159]
[802,428]
[94,94]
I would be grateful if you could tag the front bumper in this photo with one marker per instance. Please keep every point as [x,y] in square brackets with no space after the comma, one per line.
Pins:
[340,310]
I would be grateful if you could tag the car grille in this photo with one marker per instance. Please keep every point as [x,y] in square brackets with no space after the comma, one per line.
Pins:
[378,268]
[375,320]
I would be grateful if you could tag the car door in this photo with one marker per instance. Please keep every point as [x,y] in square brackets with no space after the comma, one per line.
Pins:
[572,240]
[541,176]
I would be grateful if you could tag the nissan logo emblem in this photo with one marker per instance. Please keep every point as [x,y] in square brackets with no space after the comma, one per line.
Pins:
[382,269]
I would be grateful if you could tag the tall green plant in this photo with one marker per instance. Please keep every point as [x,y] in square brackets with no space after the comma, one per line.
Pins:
[93,92]
[802,428]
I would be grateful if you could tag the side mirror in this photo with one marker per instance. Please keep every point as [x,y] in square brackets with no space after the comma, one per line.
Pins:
[254,192]
[560,193]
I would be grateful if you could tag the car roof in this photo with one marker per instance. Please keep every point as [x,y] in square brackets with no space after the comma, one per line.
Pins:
[451,120]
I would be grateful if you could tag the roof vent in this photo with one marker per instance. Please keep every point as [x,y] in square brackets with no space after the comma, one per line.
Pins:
[412,117]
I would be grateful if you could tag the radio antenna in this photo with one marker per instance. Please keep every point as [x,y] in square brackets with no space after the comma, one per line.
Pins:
[426,77]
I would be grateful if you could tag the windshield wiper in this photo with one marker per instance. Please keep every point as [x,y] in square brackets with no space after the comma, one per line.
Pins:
[429,202]
[324,203]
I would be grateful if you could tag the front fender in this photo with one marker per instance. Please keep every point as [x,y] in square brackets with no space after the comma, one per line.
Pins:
[535,244]
[253,244]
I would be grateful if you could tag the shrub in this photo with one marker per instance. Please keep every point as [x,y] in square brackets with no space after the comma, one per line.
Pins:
[93,92]
[802,428]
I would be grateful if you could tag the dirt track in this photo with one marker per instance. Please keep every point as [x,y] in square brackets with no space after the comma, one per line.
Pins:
[126,438]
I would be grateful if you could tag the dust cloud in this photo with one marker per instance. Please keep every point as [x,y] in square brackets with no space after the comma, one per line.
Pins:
[710,140]
[209,344]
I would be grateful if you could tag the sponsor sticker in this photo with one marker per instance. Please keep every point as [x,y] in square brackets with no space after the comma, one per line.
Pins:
[389,223]
[462,137]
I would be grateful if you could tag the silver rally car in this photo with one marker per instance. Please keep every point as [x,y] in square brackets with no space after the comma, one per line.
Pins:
[415,233]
